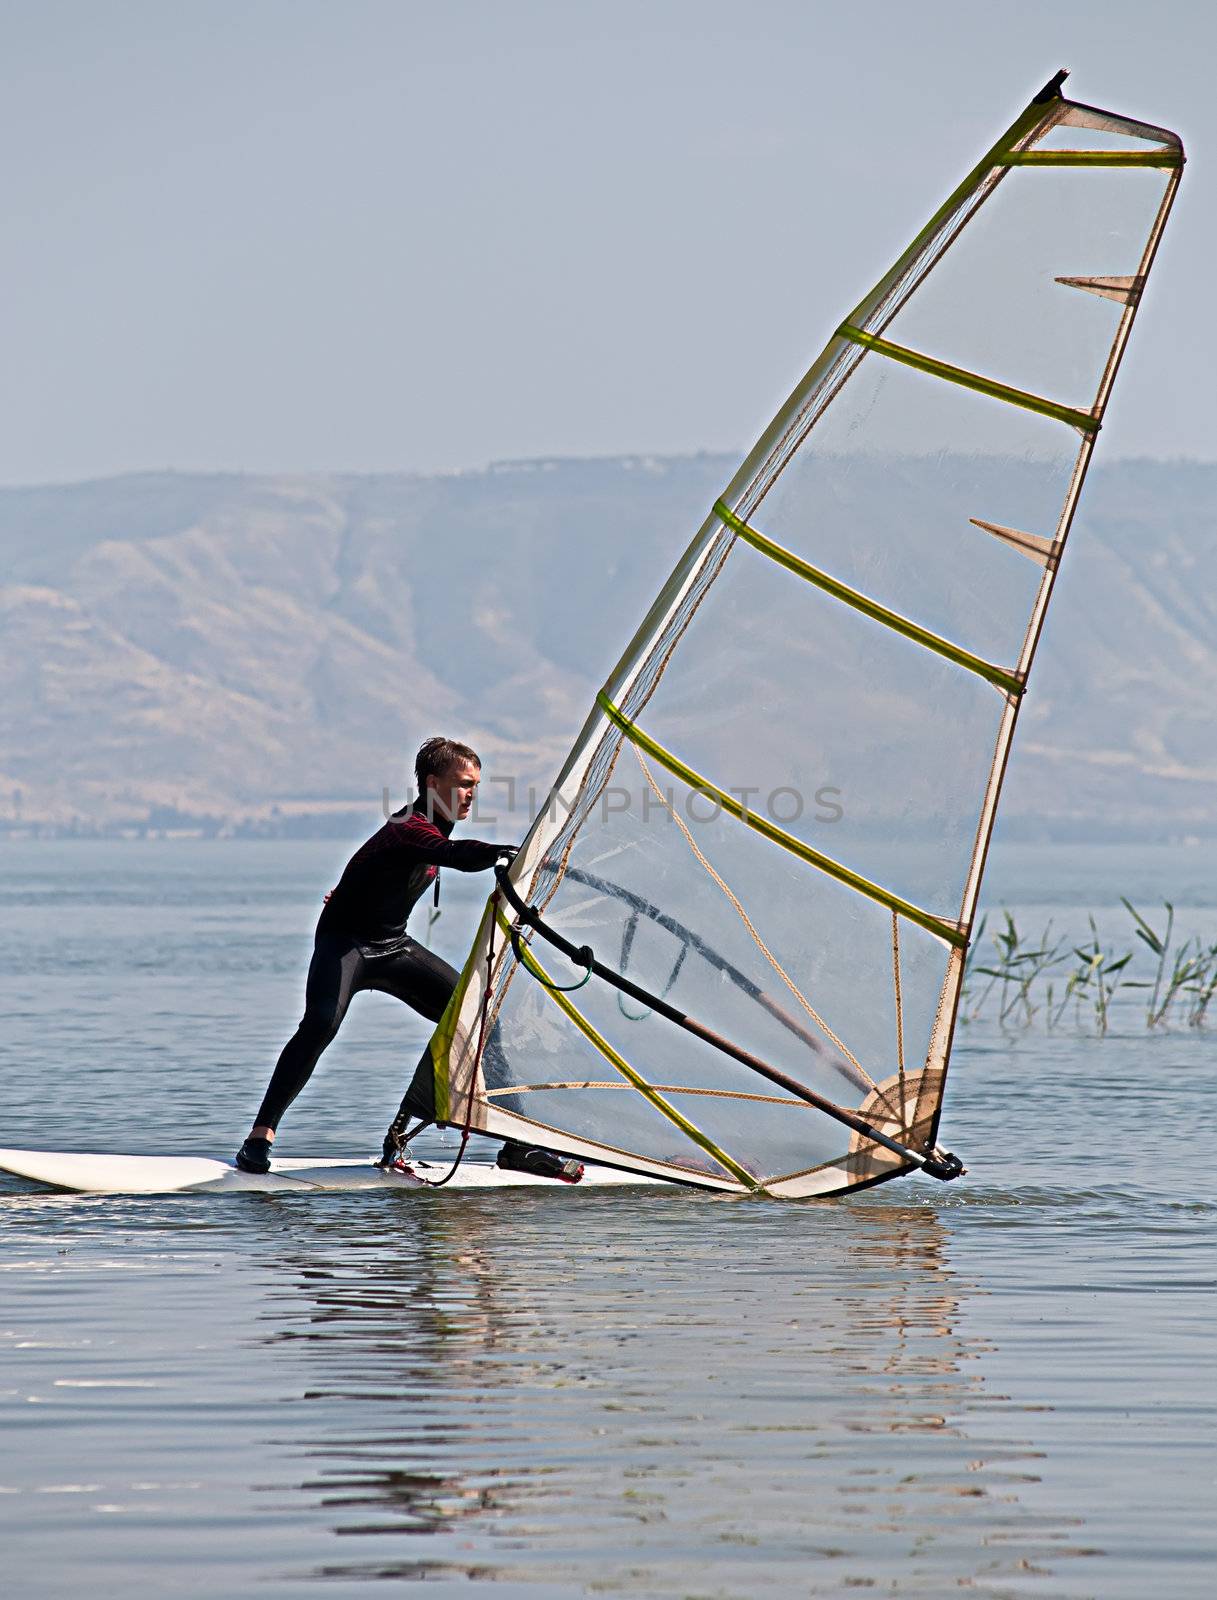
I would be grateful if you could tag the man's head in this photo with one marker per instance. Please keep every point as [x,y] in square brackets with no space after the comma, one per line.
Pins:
[448,774]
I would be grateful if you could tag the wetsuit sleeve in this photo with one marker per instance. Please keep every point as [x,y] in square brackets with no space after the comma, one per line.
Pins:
[427,844]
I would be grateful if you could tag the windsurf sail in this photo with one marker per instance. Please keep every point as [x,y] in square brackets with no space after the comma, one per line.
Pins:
[765,849]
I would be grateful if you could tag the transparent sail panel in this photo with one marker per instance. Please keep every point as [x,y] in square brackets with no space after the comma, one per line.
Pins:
[993,305]
[781,959]
[774,820]
[540,1064]
[883,494]
[852,737]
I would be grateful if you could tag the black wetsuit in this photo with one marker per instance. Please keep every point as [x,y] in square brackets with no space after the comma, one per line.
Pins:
[362,943]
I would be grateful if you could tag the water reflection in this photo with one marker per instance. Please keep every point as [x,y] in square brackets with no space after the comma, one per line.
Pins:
[652,1391]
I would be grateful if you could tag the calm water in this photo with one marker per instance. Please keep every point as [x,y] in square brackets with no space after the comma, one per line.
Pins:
[1002,1386]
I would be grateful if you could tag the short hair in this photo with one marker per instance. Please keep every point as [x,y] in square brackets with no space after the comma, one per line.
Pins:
[437,756]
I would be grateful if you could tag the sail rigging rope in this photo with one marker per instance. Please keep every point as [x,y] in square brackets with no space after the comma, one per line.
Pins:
[660,1088]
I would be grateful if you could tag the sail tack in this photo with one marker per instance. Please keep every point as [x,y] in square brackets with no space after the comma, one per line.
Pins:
[777,812]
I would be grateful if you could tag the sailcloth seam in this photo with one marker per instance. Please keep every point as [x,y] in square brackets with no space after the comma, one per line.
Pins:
[1002,677]
[938,926]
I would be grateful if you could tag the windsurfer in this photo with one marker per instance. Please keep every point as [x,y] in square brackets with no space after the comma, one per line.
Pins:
[362,943]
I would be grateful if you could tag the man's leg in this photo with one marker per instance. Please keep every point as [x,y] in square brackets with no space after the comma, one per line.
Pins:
[335,973]
[426,982]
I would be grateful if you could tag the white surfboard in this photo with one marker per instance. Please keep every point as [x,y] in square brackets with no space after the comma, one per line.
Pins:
[87,1173]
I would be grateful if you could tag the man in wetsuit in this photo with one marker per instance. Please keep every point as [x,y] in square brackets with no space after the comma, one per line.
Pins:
[362,943]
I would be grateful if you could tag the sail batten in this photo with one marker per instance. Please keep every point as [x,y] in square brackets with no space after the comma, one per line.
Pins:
[1090,158]
[1002,677]
[1085,421]
[948,931]
[848,720]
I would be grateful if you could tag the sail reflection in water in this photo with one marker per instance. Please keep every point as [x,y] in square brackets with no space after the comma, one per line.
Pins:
[532,1413]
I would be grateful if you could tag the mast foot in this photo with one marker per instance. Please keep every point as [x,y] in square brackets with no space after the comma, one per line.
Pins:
[943,1165]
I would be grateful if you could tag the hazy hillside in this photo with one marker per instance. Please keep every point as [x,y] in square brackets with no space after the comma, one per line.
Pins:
[219,645]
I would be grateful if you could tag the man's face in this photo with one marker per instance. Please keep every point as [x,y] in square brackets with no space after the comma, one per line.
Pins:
[451,793]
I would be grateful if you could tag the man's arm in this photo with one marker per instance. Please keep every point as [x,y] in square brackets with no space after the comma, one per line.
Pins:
[426,843]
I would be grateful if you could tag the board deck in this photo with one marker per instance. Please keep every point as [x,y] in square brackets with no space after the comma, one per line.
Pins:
[85,1173]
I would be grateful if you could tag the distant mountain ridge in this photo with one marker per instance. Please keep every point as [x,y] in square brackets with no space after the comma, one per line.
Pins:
[184,645]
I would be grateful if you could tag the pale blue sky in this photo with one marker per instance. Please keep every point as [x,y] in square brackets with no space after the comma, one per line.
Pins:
[380,235]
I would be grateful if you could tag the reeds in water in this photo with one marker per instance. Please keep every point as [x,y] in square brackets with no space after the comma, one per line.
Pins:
[1023,979]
